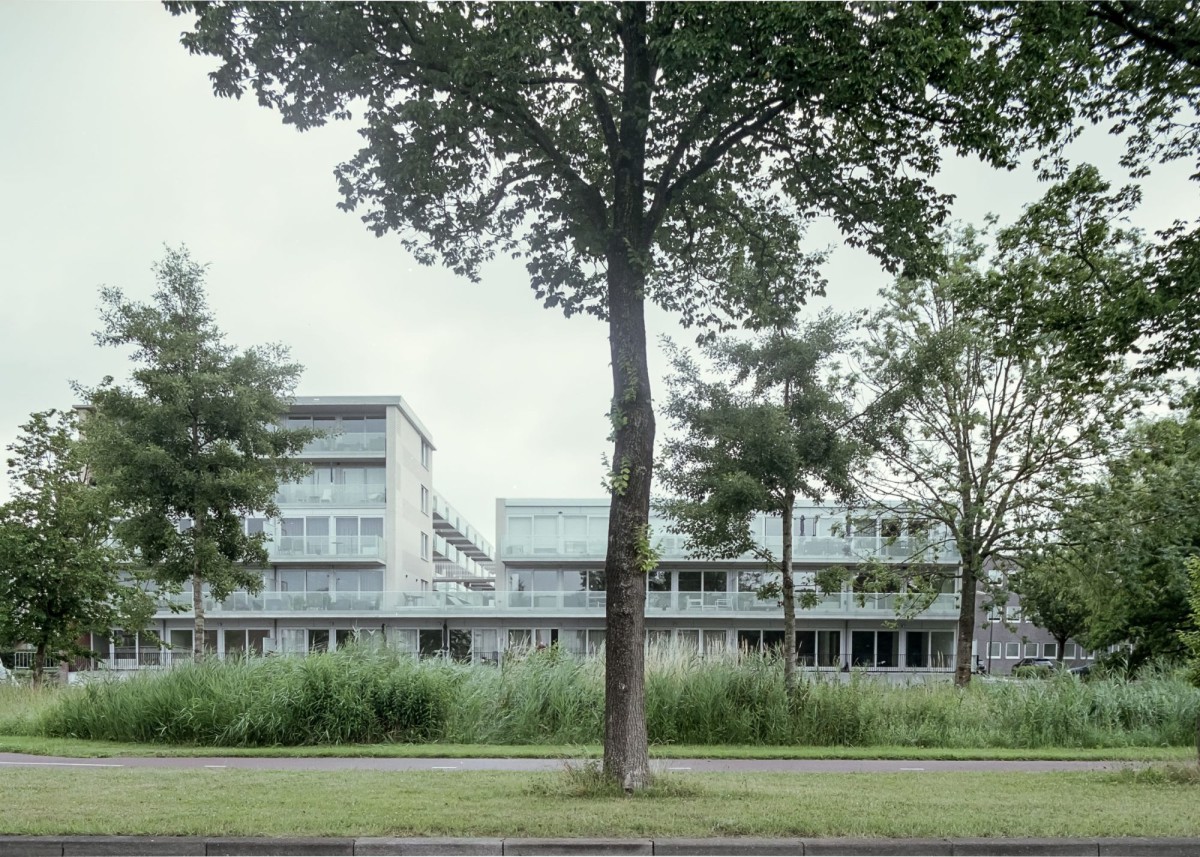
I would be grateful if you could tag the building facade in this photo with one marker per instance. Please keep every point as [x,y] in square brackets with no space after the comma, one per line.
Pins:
[365,549]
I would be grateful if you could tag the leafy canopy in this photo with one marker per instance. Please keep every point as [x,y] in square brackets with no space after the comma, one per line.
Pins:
[61,576]
[194,436]
[692,139]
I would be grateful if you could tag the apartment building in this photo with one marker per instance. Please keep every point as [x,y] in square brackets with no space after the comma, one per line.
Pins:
[360,538]
[365,548]
[552,567]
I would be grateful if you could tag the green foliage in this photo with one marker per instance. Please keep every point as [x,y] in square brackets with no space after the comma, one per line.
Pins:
[997,437]
[551,697]
[776,424]
[1128,537]
[1053,599]
[194,436]
[1191,638]
[1135,66]
[61,576]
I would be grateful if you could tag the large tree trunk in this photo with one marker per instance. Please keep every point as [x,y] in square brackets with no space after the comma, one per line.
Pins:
[626,758]
[963,665]
[197,591]
[39,663]
[789,600]
[198,610]
[1062,649]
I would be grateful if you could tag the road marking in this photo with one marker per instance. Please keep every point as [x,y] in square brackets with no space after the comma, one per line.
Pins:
[678,769]
[445,767]
[912,769]
[69,764]
[216,766]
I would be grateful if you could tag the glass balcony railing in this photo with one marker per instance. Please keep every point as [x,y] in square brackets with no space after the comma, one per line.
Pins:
[805,549]
[362,441]
[331,495]
[326,547]
[843,605]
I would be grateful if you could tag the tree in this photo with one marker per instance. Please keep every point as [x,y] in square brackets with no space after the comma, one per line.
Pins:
[1052,599]
[634,151]
[60,575]
[997,435]
[779,424]
[1137,67]
[1127,538]
[193,438]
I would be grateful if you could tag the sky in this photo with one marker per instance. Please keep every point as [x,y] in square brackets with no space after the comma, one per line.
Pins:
[113,145]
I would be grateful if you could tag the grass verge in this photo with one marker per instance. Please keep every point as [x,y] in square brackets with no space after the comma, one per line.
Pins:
[42,801]
[78,748]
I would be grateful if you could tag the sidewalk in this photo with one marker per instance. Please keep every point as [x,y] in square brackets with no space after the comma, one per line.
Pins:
[187,846]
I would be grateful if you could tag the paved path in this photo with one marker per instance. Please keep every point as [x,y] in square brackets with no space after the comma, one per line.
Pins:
[798,766]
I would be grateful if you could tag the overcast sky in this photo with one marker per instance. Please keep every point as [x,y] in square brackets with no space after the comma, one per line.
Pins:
[113,144]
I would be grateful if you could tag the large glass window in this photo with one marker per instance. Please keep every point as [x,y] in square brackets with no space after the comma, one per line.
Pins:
[829,648]
[873,648]
[715,643]
[430,642]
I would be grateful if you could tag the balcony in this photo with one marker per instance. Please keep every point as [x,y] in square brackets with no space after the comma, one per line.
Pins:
[326,549]
[351,444]
[805,549]
[331,495]
[500,604]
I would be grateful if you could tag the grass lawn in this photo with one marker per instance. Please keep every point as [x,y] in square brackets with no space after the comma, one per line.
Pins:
[52,801]
[105,749]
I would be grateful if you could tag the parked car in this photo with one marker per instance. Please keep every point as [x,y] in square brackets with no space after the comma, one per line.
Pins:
[1033,667]
[1083,670]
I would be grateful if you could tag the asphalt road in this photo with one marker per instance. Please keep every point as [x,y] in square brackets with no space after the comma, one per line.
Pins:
[798,766]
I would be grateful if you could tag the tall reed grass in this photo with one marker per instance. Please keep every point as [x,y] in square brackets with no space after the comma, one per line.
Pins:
[551,697]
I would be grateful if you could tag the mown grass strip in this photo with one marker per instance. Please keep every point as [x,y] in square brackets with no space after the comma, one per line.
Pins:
[446,803]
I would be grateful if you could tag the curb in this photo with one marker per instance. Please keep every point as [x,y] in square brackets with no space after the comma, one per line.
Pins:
[195,846]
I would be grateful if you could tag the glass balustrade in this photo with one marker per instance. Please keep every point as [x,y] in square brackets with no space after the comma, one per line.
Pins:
[331,495]
[838,605]
[325,547]
[804,549]
[367,442]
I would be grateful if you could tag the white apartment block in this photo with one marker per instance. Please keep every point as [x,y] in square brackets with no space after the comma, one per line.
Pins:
[364,548]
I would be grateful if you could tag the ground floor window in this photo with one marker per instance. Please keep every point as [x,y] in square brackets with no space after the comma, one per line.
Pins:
[1050,650]
[873,648]
[995,650]
[929,649]
[586,641]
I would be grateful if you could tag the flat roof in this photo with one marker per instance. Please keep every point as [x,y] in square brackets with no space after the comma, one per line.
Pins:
[359,401]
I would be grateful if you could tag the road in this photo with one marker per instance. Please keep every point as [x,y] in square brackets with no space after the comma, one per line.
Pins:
[797,766]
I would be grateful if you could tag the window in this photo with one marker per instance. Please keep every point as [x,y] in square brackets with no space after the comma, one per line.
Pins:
[994,650]
[426,453]
[424,545]
[1031,650]
[1012,651]
[424,500]
[1069,651]
[1014,614]
[1050,650]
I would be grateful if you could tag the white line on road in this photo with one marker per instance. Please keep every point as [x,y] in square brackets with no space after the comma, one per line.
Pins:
[912,769]
[216,766]
[445,767]
[678,769]
[69,764]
